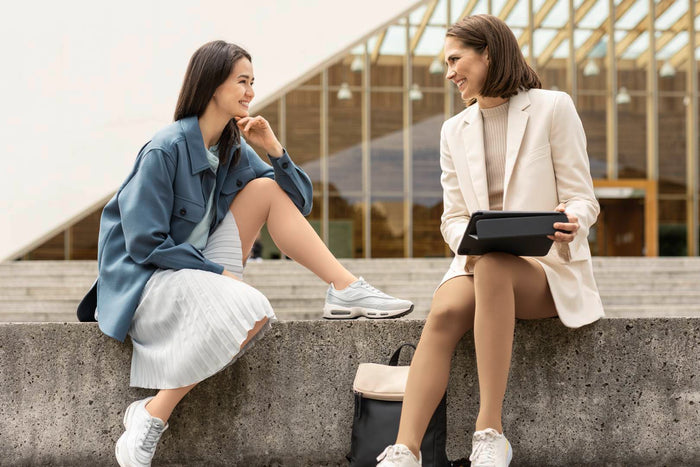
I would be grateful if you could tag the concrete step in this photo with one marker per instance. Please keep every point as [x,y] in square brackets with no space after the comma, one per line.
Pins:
[646,311]
[50,290]
[90,267]
[660,299]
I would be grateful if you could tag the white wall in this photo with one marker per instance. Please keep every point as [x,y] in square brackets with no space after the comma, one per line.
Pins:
[85,84]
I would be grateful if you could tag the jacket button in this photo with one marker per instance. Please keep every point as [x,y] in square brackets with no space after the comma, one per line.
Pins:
[285,165]
[239,183]
[183,211]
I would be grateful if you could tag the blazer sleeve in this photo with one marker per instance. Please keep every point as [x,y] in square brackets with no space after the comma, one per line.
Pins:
[290,177]
[573,175]
[145,205]
[455,215]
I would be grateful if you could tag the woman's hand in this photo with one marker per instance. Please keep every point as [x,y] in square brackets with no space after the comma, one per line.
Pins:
[571,227]
[229,274]
[257,132]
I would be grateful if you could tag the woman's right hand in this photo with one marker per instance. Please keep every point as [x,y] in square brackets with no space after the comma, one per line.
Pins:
[229,274]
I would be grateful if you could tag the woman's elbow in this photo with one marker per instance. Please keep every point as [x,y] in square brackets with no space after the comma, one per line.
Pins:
[141,249]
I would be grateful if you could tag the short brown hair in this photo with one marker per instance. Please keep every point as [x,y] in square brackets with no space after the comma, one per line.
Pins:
[508,72]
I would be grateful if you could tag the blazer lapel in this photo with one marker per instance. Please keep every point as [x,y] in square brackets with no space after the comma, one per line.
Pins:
[473,139]
[517,122]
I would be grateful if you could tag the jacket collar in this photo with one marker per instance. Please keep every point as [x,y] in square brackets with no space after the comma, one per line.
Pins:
[195,145]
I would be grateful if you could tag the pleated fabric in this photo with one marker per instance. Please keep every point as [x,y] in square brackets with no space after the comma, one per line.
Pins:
[190,324]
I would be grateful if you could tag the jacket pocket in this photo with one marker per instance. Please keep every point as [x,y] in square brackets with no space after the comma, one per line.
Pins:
[536,154]
[187,209]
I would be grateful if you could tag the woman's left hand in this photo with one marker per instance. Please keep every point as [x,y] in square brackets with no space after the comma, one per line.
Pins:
[257,132]
[571,227]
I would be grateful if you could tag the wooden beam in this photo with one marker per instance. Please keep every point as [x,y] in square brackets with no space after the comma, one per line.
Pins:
[467,9]
[547,53]
[666,37]
[378,45]
[597,35]
[507,8]
[682,55]
[639,29]
[424,22]
[539,18]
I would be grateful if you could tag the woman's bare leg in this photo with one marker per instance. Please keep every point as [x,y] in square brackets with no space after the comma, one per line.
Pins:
[263,201]
[506,287]
[163,404]
[451,315]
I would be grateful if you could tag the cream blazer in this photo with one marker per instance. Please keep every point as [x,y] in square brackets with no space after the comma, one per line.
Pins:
[546,163]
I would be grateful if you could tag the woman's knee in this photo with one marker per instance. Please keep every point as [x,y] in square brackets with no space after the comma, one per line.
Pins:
[451,318]
[257,192]
[496,265]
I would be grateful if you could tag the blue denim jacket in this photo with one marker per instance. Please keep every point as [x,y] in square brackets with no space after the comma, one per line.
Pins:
[145,225]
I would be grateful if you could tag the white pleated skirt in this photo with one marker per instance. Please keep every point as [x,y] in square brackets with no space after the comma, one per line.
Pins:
[190,324]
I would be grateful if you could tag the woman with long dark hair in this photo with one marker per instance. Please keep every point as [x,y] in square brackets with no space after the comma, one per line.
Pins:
[515,147]
[174,239]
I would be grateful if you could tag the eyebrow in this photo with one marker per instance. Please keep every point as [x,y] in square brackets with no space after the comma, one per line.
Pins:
[244,76]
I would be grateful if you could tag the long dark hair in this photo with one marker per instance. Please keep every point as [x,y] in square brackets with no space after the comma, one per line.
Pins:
[209,67]
[508,72]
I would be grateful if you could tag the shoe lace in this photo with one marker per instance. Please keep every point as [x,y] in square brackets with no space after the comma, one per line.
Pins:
[484,450]
[394,453]
[366,285]
[154,429]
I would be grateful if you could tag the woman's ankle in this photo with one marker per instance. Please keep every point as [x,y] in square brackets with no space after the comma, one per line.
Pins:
[484,422]
[343,282]
[155,410]
[413,446]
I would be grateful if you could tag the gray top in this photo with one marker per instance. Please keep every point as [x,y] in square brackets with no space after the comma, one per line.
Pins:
[200,234]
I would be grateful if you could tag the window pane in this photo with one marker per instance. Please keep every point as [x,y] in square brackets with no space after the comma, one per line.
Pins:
[632,142]
[592,112]
[672,228]
[427,239]
[387,228]
[303,140]
[672,147]
[428,117]
[387,143]
[345,226]
[345,143]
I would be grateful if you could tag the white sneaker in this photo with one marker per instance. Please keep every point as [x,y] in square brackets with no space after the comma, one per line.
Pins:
[137,445]
[490,449]
[398,455]
[361,299]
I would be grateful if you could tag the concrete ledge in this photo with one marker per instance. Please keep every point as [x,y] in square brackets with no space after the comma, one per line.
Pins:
[618,392]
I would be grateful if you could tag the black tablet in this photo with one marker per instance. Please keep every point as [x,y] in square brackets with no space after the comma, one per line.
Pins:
[521,233]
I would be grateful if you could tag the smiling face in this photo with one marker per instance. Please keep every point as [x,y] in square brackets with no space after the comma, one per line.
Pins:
[233,96]
[466,68]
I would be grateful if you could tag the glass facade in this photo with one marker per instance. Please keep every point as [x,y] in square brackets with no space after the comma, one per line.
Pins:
[366,127]
[383,184]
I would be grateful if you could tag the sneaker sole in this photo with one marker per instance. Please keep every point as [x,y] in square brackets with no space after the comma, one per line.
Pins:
[341,312]
[120,461]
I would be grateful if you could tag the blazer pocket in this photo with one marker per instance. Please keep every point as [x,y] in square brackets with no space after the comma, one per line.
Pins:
[187,209]
[537,154]
[237,179]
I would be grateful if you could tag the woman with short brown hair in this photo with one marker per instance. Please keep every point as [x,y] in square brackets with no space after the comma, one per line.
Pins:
[515,147]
